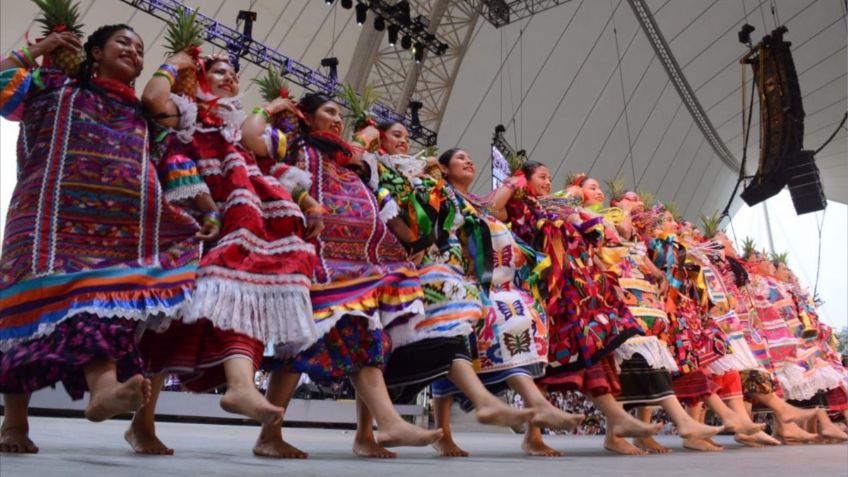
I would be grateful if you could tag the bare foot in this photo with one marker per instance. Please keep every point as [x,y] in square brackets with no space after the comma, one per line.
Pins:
[497,413]
[536,447]
[446,447]
[620,446]
[16,441]
[628,426]
[249,402]
[832,432]
[766,439]
[739,424]
[121,398]
[798,415]
[278,449]
[144,441]
[789,433]
[650,445]
[402,433]
[692,429]
[750,441]
[369,448]
[552,418]
[702,445]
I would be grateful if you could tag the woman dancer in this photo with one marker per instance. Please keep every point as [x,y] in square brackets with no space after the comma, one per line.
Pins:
[363,284]
[433,345]
[91,248]
[512,340]
[253,283]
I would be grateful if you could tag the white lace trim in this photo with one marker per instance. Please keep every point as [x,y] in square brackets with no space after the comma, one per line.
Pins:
[800,385]
[149,314]
[389,211]
[740,359]
[188,118]
[292,177]
[269,313]
[246,239]
[231,113]
[186,192]
[373,181]
[276,208]
[651,348]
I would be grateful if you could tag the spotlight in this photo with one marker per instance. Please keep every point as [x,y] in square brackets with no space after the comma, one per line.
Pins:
[418,52]
[347,4]
[393,34]
[329,2]
[379,23]
[745,34]
[361,13]
[406,42]
[248,18]
[331,63]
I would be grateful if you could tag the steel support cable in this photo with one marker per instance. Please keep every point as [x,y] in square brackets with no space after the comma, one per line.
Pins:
[688,168]
[677,154]
[735,60]
[624,99]
[483,99]
[794,50]
[545,63]
[698,185]
[644,124]
[663,50]
[317,32]
[568,88]
[659,143]
[691,22]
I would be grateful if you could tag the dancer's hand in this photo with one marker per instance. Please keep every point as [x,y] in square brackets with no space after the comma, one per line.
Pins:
[280,105]
[314,226]
[181,60]
[56,40]
[208,232]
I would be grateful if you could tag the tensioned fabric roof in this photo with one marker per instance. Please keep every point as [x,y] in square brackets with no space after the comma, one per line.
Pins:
[578,86]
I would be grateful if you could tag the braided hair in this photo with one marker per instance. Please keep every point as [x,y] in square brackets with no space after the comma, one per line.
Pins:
[97,39]
[309,104]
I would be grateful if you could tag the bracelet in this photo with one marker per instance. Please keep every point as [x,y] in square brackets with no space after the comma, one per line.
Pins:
[316,211]
[28,55]
[213,218]
[170,69]
[163,74]
[299,196]
[262,111]
[22,59]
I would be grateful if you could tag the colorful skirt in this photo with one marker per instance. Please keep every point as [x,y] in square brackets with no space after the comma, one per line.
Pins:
[729,384]
[755,381]
[693,387]
[596,380]
[196,352]
[62,355]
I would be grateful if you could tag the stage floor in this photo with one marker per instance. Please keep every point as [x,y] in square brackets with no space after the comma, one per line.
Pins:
[75,447]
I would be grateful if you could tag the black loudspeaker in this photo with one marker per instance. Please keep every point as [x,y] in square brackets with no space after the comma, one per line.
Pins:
[802,176]
[781,116]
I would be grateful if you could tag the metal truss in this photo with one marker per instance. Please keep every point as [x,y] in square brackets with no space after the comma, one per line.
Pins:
[261,55]
[504,12]
[398,79]
[675,74]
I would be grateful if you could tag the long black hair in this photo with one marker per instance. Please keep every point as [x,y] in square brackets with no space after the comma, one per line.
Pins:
[309,104]
[530,167]
[445,157]
[97,39]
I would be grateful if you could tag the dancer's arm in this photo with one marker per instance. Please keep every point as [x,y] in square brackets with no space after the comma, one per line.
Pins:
[25,57]
[157,93]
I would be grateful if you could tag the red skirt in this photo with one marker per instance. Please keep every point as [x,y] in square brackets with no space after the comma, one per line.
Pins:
[596,380]
[693,387]
[196,353]
[729,384]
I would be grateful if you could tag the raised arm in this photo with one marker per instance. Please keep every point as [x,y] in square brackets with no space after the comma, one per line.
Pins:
[157,93]
[25,57]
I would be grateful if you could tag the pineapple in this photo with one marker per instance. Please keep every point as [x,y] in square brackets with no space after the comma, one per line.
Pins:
[672,208]
[61,16]
[615,188]
[184,33]
[749,248]
[272,86]
[360,107]
[710,224]
[648,198]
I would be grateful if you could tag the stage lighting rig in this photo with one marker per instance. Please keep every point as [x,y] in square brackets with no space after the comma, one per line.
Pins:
[332,64]
[248,18]
[504,12]
[361,13]
[400,16]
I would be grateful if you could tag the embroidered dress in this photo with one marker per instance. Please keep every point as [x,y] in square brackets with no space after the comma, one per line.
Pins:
[253,281]
[512,337]
[644,362]
[424,346]
[589,321]
[91,247]
[363,284]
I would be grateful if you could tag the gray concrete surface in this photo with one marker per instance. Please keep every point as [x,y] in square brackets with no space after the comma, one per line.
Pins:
[72,447]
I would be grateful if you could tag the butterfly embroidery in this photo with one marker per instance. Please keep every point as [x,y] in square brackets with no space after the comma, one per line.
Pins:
[517,343]
[503,257]
[508,310]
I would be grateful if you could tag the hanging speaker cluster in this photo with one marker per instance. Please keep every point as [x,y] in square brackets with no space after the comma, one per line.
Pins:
[782,160]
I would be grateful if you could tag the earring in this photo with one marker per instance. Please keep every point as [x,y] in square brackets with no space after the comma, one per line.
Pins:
[95,69]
